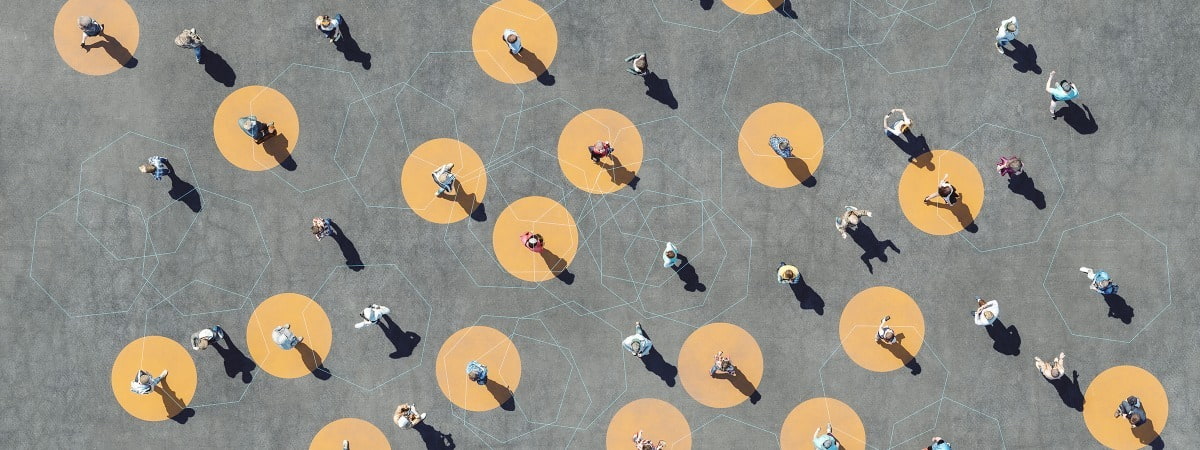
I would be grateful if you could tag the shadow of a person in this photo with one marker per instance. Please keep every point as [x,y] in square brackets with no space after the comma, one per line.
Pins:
[434,439]
[349,47]
[216,67]
[535,66]
[1006,340]
[808,298]
[234,360]
[706,4]
[687,274]
[1069,391]
[1024,57]
[800,170]
[1147,435]
[961,212]
[405,342]
[903,354]
[504,395]
[618,173]
[171,401]
[1023,185]
[660,89]
[277,147]
[655,363]
[915,147]
[871,246]
[1118,308]
[349,251]
[742,384]
[785,8]
[182,191]
[313,362]
[554,263]
[469,202]
[115,50]
[1079,117]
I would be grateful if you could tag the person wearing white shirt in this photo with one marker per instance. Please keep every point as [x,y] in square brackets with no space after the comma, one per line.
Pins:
[444,178]
[1005,33]
[407,416]
[987,312]
[371,315]
[513,40]
[201,339]
[143,383]
[670,255]
[284,337]
[638,344]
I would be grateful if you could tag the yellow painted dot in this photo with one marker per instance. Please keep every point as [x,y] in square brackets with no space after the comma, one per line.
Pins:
[614,171]
[360,434]
[697,356]
[753,7]
[1107,391]
[307,320]
[419,189]
[860,321]
[936,217]
[268,105]
[538,215]
[815,413]
[153,354]
[659,421]
[105,53]
[538,36]
[491,348]
[788,121]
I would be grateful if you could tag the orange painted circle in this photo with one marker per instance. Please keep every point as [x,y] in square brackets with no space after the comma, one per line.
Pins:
[696,358]
[154,354]
[937,218]
[419,189]
[109,51]
[754,7]
[269,106]
[491,348]
[788,121]
[614,171]
[659,421]
[817,413]
[308,321]
[360,433]
[539,215]
[860,321]
[1107,391]
[539,41]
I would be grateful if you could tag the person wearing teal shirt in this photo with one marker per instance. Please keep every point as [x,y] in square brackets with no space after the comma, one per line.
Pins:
[938,444]
[1064,92]
[825,441]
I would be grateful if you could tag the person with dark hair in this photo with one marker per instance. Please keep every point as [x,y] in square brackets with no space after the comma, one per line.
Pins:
[90,28]
[721,363]
[1063,92]
[938,444]
[330,27]
[825,441]
[670,255]
[1005,33]
[781,145]
[533,242]
[1131,408]
[157,165]
[946,191]
[787,274]
[1010,166]
[638,64]
[477,372]
[987,312]
[885,334]
[637,343]
[1054,370]
[513,41]
[641,443]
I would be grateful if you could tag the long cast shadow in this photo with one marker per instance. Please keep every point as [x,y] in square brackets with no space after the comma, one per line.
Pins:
[313,362]
[174,404]
[872,247]
[1079,117]
[1023,185]
[1147,435]
[903,355]
[808,298]
[706,4]
[619,174]
[655,363]
[349,47]
[277,146]
[434,439]
[915,147]
[353,260]
[785,8]
[558,266]
[468,201]
[800,170]
[535,65]
[235,361]
[660,89]
[115,50]
[405,342]
[1069,391]
[1118,308]
[217,68]
[962,213]
[503,395]
[689,277]
[1006,340]
[1024,57]
[182,191]
[743,385]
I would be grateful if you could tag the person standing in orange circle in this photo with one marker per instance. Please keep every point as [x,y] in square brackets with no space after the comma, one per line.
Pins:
[533,242]
[90,28]
[143,383]
[884,334]
[513,41]
[600,150]
[946,191]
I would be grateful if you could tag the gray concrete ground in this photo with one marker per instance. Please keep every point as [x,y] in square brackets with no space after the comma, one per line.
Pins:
[97,255]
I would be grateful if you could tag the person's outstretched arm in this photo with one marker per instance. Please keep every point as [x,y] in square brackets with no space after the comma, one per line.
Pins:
[1049,80]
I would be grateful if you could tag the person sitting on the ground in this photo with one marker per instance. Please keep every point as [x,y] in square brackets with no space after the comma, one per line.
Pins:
[255,129]
[1131,408]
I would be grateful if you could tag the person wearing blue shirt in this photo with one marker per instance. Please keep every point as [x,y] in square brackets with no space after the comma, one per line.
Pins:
[477,372]
[781,146]
[1065,91]
[1101,282]
[938,444]
[825,441]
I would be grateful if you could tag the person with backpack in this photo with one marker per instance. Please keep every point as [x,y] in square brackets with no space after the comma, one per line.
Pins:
[1101,282]
[190,40]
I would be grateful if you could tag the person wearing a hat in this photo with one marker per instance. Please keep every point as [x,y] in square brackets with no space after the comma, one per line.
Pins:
[331,27]
[1005,33]
[1064,91]
[444,178]
[781,145]
[787,274]
[849,220]
[946,191]
[826,441]
[987,312]
[533,242]
[201,339]
[885,334]
[513,41]
[1101,282]
[157,166]
[1054,370]
[255,129]
[190,40]
[638,64]
[90,27]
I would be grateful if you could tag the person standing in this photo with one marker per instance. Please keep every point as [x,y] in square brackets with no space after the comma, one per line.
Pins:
[90,28]
[781,146]
[987,312]
[533,242]
[322,227]
[637,343]
[825,441]
[190,40]
[1130,408]
[946,191]
[157,165]
[331,28]
[477,372]
[787,274]
[143,383]
[407,416]
[638,64]
[896,127]
[641,443]
[670,255]
[1063,92]
[849,220]
[444,179]
[885,334]
[512,40]
[1101,282]
[1005,33]
[722,364]
[600,150]
[1010,166]
[201,339]
[371,315]
[938,444]
[1053,371]
[284,338]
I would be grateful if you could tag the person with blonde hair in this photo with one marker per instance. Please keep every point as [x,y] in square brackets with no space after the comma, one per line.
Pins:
[987,312]
[330,27]
[90,28]
[1054,370]
[1010,166]
[407,416]
[849,220]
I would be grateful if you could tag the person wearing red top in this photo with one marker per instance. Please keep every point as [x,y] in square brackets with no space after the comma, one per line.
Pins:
[533,242]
